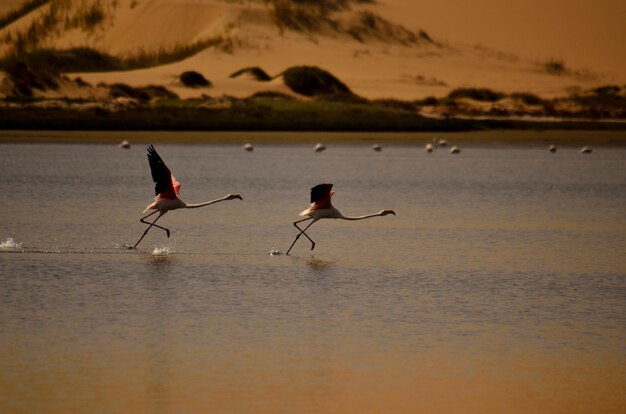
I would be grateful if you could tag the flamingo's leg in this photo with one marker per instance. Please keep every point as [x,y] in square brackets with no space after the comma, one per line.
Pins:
[306,235]
[155,225]
[302,231]
[150,226]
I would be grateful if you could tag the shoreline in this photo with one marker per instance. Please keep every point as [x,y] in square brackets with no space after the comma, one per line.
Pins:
[615,138]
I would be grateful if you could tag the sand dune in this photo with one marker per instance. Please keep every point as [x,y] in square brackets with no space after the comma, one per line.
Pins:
[373,67]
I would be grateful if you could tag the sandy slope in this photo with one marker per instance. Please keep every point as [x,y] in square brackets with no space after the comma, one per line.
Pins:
[372,69]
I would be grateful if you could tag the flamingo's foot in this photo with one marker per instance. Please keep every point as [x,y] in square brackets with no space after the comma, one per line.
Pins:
[312,246]
[168,233]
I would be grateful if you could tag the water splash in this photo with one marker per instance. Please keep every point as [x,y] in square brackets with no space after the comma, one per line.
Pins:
[162,251]
[10,246]
[275,252]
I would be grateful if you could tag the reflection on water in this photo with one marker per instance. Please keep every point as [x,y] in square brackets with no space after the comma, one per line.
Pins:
[499,287]
[318,264]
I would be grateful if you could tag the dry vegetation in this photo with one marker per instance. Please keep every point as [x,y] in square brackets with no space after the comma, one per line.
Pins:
[57,17]
[317,16]
[33,67]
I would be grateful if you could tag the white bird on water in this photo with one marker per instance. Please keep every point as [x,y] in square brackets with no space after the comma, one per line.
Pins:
[166,190]
[321,208]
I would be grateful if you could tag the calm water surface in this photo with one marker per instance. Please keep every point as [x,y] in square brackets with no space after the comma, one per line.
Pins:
[500,286]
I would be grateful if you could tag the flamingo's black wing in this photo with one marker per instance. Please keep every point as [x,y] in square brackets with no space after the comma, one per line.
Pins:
[320,194]
[165,184]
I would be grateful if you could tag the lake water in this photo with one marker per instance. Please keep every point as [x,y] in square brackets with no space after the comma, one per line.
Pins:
[499,287]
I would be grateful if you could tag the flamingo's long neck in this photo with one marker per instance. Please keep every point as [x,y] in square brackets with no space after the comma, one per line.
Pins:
[341,216]
[206,203]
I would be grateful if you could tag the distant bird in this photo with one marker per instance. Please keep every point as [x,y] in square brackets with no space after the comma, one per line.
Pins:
[442,143]
[248,147]
[429,148]
[321,208]
[377,148]
[124,144]
[586,150]
[552,148]
[320,147]
[166,190]
[455,150]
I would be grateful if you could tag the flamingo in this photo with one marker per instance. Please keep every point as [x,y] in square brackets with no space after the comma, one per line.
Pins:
[321,208]
[166,190]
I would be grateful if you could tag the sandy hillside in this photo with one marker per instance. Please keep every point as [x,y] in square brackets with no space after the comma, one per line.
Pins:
[379,65]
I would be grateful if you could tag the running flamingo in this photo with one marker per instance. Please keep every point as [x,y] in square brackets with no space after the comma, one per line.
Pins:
[321,208]
[166,190]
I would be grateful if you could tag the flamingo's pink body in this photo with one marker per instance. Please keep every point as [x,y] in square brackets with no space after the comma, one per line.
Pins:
[321,208]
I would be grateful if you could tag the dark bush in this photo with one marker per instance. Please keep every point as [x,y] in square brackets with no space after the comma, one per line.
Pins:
[477,94]
[428,101]
[395,104]
[25,78]
[527,98]
[158,92]
[81,59]
[256,72]
[273,95]
[193,79]
[607,90]
[118,90]
[313,81]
